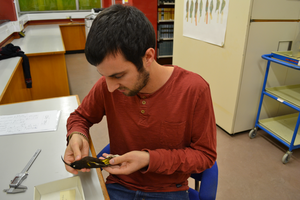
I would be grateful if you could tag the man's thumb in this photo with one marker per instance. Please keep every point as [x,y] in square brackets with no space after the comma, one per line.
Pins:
[116,160]
[77,154]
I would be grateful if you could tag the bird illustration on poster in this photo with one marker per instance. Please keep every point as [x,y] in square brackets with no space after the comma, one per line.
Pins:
[222,9]
[217,9]
[191,10]
[187,10]
[200,9]
[212,27]
[206,12]
[196,10]
[211,7]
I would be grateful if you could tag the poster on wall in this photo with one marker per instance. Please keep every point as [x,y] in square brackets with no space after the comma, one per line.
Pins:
[206,20]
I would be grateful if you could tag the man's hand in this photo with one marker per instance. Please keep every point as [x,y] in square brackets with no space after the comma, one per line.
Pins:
[78,148]
[128,163]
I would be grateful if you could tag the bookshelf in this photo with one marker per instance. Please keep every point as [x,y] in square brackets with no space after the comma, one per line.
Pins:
[165,31]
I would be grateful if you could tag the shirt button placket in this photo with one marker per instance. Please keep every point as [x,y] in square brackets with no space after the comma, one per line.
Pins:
[143,106]
[144,113]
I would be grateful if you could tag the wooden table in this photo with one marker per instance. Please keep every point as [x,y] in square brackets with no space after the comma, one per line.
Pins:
[45,49]
[12,81]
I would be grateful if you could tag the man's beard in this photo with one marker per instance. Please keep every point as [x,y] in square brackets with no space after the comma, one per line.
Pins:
[142,81]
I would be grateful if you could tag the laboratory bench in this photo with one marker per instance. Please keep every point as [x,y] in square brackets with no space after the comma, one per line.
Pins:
[17,149]
[45,48]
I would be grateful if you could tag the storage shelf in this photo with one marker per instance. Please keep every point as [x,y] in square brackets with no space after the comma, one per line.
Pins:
[166,56]
[166,4]
[290,93]
[287,56]
[162,21]
[280,60]
[161,39]
[165,30]
[283,127]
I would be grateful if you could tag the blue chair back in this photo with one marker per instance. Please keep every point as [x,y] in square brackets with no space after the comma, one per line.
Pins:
[106,149]
[209,184]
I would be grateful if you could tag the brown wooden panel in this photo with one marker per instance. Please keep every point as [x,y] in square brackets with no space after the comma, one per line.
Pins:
[99,173]
[73,36]
[55,21]
[16,90]
[49,76]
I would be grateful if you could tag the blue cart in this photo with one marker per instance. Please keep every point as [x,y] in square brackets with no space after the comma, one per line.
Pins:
[283,128]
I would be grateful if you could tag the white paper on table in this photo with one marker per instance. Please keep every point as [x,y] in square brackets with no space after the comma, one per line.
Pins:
[29,122]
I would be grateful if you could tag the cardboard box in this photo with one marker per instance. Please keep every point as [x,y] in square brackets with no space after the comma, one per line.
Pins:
[64,189]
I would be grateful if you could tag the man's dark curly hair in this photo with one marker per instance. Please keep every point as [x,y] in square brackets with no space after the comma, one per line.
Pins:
[120,29]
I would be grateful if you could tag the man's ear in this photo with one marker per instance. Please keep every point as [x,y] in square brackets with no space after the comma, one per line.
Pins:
[149,57]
